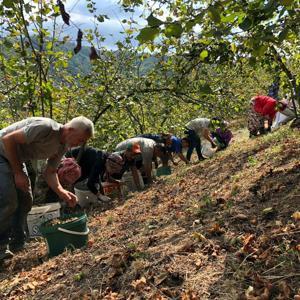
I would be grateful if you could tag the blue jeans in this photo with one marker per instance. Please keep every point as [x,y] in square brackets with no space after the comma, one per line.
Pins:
[194,142]
[14,205]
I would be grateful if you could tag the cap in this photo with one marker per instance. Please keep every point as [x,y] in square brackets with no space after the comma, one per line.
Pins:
[134,147]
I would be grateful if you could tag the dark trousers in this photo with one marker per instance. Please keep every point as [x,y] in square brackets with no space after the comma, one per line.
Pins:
[194,142]
[14,205]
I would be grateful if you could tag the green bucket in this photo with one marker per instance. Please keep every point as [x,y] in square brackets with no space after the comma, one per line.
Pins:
[69,235]
[163,171]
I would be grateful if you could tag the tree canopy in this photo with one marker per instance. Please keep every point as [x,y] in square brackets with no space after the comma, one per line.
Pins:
[192,58]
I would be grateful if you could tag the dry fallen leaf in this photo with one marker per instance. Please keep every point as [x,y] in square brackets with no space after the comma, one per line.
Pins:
[265,254]
[188,246]
[65,16]
[117,260]
[199,237]
[198,263]
[79,39]
[160,278]
[189,296]
[262,294]
[296,215]
[93,53]
[241,217]
[216,229]
[112,296]
[140,283]
[248,239]
[285,290]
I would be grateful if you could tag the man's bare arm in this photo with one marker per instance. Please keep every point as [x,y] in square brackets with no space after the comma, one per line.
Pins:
[11,142]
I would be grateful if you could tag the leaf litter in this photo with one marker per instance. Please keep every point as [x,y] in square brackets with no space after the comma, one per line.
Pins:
[218,229]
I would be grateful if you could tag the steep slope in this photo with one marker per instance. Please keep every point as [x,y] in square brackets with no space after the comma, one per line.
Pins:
[219,229]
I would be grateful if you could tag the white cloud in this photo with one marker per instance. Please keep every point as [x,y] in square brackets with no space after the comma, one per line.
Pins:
[110,29]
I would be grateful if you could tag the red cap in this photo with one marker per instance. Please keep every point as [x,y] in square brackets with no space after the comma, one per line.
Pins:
[134,147]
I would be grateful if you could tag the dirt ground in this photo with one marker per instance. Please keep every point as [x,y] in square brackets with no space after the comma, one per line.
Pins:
[224,228]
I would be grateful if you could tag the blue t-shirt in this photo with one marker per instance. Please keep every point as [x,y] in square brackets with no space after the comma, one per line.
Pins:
[176,146]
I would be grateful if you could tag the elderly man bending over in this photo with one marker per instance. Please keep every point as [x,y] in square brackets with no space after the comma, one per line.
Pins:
[32,139]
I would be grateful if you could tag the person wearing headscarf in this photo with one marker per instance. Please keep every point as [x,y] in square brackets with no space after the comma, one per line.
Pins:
[32,139]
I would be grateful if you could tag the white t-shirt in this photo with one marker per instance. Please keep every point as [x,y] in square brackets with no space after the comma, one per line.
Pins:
[147,147]
[198,125]
[42,137]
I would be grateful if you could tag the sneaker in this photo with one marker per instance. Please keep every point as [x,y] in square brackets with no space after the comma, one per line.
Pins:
[5,253]
[104,198]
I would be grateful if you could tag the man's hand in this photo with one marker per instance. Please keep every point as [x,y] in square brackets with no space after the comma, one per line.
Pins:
[68,197]
[22,181]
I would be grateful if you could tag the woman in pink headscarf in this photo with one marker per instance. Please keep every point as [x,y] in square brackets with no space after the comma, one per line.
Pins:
[69,171]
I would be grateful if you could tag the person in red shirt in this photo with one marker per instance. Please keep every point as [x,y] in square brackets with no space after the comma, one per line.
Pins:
[265,106]
[268,107]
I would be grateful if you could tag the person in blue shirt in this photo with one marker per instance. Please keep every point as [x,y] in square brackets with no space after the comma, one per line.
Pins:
[175,145]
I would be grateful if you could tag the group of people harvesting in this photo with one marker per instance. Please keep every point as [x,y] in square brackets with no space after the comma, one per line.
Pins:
[69,161]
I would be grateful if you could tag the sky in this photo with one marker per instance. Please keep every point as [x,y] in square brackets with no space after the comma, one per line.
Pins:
[110,29]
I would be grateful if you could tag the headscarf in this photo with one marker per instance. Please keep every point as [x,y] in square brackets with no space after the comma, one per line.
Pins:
[114,163]
[69,171]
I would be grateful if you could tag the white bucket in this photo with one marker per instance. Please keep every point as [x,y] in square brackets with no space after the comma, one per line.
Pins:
[129,182]
[40,214]
[206,149]
[85,197]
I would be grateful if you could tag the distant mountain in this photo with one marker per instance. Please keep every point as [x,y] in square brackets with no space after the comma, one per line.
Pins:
[80,62]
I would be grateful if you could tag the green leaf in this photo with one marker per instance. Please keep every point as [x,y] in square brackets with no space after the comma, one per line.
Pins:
[147,34]
[233,47]
[260,50]
[119,44]
[8,3]
[129,31]
[100,18]
[252,61]
[189,25]
[214,14]
[39,19]
[286,2]
[199,18]
[8,43]
[174,29]
[246,24]
[283,34]
[152,21]
[205,89]
[27,7]
[203,54]
[229,18]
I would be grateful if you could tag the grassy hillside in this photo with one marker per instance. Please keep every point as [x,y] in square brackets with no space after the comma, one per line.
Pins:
[219,229]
